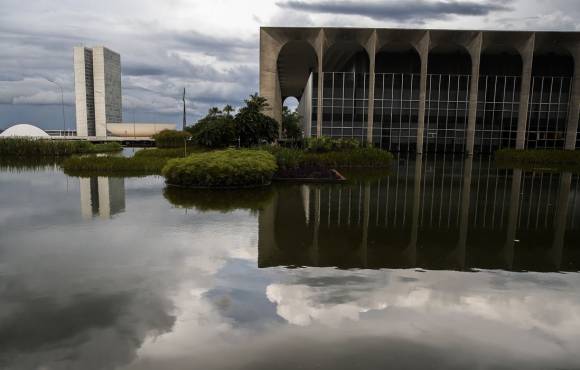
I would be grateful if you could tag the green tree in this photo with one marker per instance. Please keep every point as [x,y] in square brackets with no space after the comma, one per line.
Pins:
[215,130]
[253,127]
[291,124]
[171,138]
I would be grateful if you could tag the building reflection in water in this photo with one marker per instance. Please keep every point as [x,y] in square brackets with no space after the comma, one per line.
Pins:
[102,196]
[433,213]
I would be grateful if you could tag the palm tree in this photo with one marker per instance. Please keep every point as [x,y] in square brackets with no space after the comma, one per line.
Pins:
[228,109]
[256,103]
[213,111]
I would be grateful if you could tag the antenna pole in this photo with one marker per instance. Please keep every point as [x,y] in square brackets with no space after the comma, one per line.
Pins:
[184,123]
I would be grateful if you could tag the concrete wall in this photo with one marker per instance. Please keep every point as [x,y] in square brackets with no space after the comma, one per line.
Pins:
[138,129]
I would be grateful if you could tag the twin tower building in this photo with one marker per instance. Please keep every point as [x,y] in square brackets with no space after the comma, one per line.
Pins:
[98,94]
[98,97]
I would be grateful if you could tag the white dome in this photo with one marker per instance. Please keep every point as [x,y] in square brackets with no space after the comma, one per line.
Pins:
[24,130]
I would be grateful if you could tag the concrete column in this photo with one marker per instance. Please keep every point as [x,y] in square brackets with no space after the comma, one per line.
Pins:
[560,221]
[269,84]
[527,54]
[574,109]
[423,49]
[314,253]
[512,218]
[475,52]
[366,220]
[321,42]
[267,248]
[372,50]
[411,251]
[461,248]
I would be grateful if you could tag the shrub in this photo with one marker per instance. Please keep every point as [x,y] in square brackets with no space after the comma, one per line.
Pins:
[171,138]
[327,144]
[20,147]
[224,168]
[291,124]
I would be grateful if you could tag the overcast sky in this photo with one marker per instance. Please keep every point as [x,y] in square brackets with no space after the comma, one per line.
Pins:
[209,47]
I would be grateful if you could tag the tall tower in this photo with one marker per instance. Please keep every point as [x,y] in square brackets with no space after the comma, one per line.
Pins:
[84,91]
[97,90]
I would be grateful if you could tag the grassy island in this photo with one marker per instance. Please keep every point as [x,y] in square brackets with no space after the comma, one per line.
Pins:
[19,147]
[222,169]
[535,158]
[144,162]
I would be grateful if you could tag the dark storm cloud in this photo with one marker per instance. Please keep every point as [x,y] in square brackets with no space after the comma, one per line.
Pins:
[416,10]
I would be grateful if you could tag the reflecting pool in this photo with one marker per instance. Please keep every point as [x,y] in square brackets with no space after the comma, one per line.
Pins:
[438,263]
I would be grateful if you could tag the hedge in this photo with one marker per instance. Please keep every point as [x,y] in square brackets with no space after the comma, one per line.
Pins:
[327,144]
[20,147]
[223,168]
[538,156]
[287,158]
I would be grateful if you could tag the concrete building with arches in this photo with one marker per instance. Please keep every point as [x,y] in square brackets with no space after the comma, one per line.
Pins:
[427,90]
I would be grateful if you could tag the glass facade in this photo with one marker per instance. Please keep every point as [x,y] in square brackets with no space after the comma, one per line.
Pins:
[396,111]
[446,113]
[344,105]
[548,112]
[497,113]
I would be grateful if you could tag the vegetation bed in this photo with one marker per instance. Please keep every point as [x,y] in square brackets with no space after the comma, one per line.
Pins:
[118,166]
[19,147]
[228,168]
[291,159]
[547,159]
[309,174]
[164,152]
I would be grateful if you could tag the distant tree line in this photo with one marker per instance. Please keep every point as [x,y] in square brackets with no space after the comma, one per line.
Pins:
[225,127]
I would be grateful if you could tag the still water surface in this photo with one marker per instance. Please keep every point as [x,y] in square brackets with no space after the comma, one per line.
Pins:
[439,263]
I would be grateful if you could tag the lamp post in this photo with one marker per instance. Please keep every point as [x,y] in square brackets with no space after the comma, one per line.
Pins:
[62,104]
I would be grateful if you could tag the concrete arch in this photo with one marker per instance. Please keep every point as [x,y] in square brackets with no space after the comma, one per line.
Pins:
[363,37]
[346,56]
[290,101]
[406,53]
[272,42]
[450,58]
[501,60]
[553,60]
[296,60]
